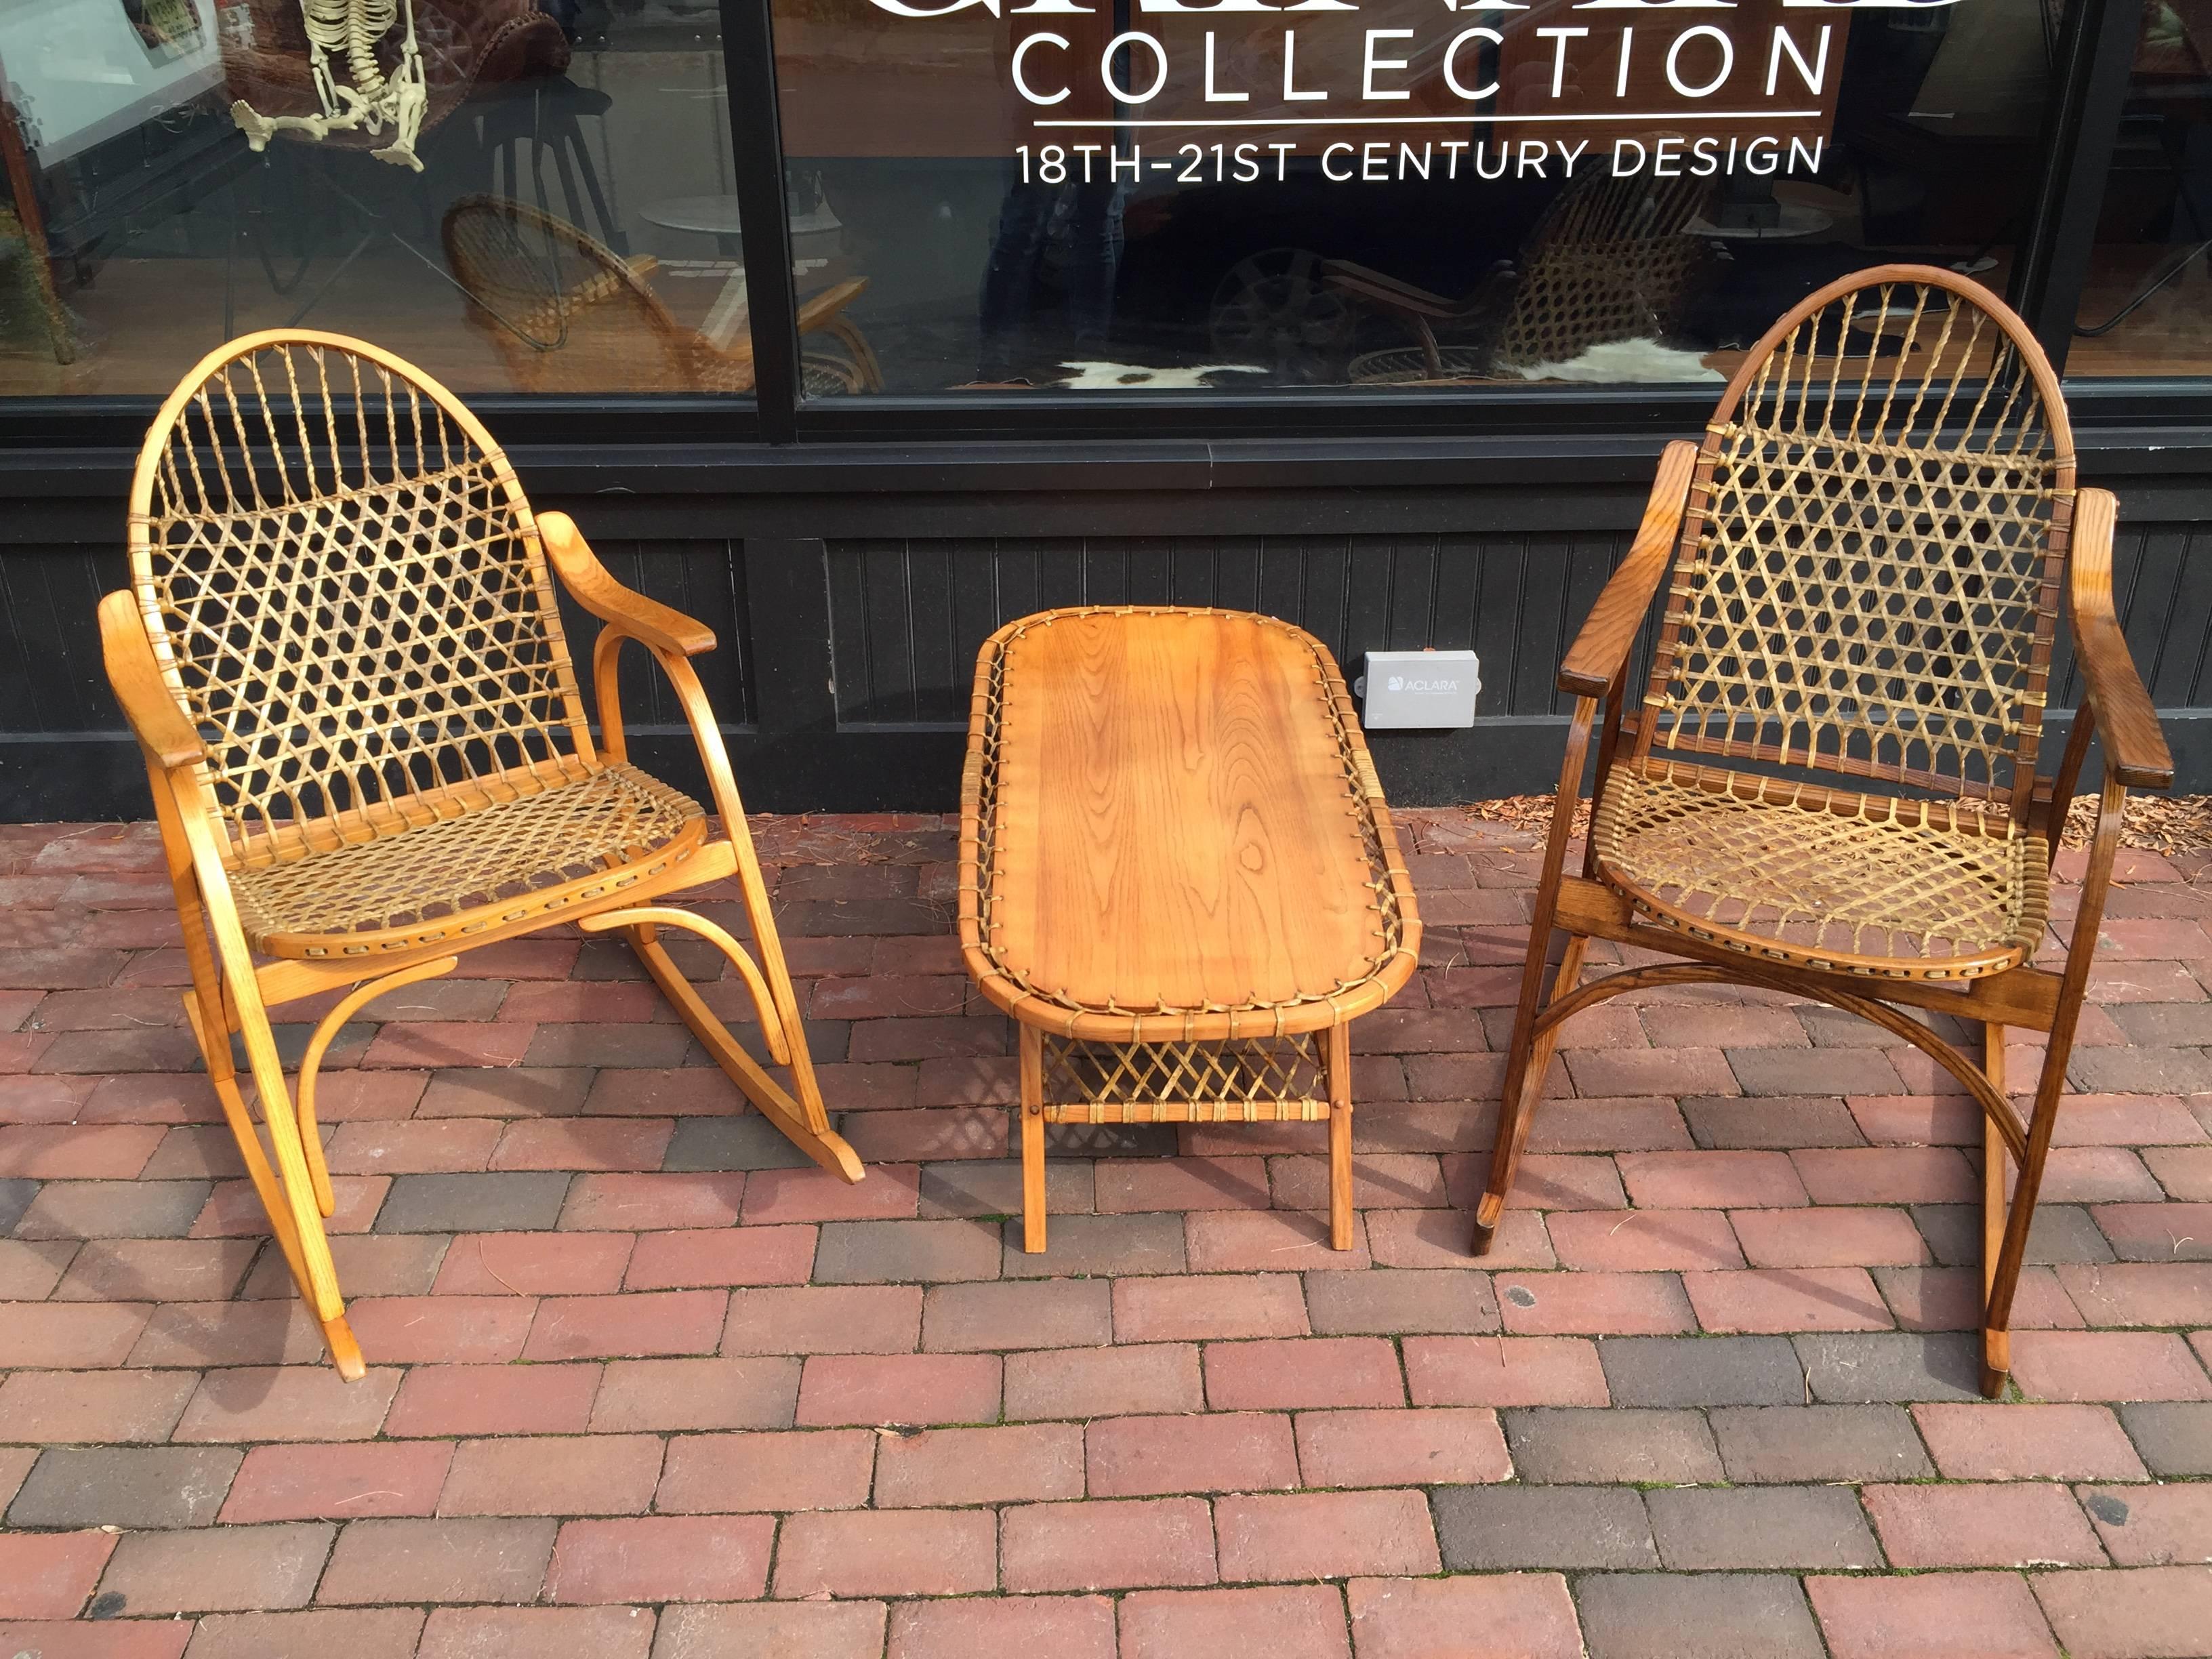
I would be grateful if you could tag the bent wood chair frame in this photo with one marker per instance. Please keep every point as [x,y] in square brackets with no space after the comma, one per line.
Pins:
[1866,570]
[341,657]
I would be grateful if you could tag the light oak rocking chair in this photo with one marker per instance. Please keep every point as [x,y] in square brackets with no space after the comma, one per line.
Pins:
[341,656]
[1830,788]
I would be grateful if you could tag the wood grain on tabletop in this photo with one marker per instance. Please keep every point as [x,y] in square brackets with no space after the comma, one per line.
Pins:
[1175,826]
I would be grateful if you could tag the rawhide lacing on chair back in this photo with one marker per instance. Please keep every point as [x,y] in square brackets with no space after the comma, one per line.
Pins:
[1610,260]
[1868,577]
[344,589]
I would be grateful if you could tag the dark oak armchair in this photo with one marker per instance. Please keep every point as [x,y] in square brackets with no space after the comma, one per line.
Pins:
[1830,788]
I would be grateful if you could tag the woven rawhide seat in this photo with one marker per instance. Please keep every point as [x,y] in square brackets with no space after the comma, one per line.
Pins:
[342,654]
[1825,878]
[1830,788]
[525,844]
[1177,873]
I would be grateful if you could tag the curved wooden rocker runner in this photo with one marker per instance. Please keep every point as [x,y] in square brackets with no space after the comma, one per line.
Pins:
[1866,552]
[341,655]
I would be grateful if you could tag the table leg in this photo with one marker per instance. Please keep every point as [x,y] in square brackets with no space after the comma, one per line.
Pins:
[1032,1107]
[1339,1136]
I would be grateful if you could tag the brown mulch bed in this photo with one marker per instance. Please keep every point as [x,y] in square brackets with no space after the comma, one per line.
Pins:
[2155,824]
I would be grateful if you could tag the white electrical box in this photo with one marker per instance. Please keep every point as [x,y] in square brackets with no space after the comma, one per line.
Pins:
[1432,690]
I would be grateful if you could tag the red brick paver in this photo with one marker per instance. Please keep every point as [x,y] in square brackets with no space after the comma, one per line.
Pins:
[644,1385]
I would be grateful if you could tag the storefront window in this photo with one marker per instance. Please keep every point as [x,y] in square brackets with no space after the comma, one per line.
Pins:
[2147,304]
[1274,194]
[519,196]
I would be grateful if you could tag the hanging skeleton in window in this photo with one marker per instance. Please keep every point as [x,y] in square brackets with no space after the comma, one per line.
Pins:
[368,99]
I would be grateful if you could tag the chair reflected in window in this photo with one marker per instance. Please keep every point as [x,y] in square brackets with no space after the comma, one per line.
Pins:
[1611,260]
[369,752]
[566,313]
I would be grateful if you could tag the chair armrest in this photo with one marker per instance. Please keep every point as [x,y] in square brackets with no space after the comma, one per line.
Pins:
[819,310]
[648,621]
[1602,648]
[147,703]
[2135,747]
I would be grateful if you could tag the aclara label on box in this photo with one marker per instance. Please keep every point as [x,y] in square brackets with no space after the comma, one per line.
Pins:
[1425,688]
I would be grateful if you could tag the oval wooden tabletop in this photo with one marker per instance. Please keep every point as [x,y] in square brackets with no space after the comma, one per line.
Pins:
[1175,825]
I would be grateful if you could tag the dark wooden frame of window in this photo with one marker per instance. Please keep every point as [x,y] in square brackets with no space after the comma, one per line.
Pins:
[2097,48]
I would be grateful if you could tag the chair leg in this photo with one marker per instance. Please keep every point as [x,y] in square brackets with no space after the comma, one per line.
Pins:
[1339,1039]
[311,1065]
[1527,1058]
[1996,1344]
[291,1201]
[1032,1110]
[215,954]
[2002,1275]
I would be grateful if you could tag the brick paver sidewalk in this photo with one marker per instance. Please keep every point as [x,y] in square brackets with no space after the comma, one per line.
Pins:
[639,1387]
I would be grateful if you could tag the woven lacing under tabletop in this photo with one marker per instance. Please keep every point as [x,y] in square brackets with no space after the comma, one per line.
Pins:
[1250,1080]
[1924,884]
[500,851]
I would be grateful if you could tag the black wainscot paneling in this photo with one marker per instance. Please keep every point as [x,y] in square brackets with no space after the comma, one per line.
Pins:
[848,593]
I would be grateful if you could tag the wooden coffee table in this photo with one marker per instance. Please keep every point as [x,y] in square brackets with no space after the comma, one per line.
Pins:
[1178,875]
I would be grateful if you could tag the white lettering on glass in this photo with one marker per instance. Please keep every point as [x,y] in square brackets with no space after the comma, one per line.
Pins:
[1021,85]
[900,8]
[1451,64]
[1213,95]
[1133,40]
[1367,86]
[1813,76]
[1290,94]
[1558,38]
[1675,53]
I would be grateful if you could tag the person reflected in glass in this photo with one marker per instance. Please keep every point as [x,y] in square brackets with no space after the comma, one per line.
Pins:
[1082,222]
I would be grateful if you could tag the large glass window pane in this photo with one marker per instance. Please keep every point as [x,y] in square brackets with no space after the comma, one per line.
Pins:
[519,196]
[2147,306]
[1272,194]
